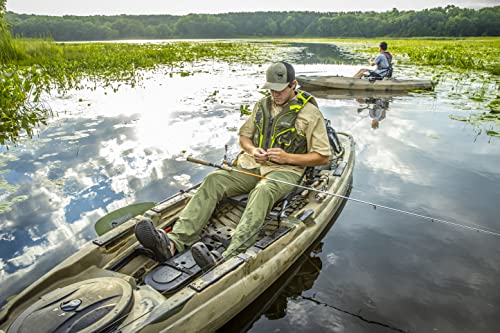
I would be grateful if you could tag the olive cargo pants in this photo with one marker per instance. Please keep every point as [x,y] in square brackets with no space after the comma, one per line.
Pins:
[263,194]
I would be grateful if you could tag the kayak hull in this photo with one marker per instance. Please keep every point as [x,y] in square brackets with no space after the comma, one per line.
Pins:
[348,83]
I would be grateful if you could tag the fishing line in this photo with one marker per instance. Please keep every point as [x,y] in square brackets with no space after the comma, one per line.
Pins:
[374,205]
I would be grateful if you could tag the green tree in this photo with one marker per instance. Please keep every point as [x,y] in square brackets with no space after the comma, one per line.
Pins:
[447,21]
[205,26]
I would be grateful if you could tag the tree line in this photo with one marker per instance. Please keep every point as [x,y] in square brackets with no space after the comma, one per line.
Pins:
[450,21]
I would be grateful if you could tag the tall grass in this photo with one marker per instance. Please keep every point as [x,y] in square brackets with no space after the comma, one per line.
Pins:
[465,54]
[30,67]
[7,48]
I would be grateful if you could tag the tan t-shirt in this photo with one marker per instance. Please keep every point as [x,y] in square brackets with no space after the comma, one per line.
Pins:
[309,122]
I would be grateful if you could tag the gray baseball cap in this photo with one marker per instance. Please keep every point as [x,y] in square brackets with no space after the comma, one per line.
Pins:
[279,75]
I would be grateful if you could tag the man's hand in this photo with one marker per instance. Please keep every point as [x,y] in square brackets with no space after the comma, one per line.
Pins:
[260,155]
[278,155]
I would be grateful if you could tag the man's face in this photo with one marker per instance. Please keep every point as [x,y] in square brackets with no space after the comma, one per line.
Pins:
[282,97]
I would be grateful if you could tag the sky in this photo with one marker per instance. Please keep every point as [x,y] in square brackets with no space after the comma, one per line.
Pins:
[182,7]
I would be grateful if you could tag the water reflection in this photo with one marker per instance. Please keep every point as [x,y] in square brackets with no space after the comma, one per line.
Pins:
[374,104]
[303,280]
[324,53]
[108,151]
[376,107]
[272,304]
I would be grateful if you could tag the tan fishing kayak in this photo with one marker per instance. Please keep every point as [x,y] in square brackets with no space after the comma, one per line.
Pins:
[349,83]
[113,285]
[355,94]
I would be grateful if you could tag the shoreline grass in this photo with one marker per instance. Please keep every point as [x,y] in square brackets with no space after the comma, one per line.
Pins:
[32,66]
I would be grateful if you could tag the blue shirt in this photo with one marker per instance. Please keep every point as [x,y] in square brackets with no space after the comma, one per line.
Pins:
[382,64]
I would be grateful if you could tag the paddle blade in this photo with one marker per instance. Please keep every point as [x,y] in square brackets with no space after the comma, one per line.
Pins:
[117,217]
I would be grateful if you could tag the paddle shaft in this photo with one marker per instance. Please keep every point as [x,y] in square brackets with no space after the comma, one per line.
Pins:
[374,205]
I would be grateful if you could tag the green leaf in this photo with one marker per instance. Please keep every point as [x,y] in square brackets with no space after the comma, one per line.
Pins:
[493,133]
[459,118]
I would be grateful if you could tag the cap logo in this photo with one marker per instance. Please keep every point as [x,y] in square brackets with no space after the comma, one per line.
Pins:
[278,75]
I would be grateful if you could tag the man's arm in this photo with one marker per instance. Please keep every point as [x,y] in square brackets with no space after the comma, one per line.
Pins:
[278,155]
[377,60]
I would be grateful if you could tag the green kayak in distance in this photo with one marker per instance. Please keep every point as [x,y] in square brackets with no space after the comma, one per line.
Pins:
[349,83]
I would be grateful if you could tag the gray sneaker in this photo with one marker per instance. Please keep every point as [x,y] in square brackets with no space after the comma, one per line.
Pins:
[155,240]
[203,257]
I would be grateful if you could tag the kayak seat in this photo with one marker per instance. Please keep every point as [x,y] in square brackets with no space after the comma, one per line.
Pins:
[374,78]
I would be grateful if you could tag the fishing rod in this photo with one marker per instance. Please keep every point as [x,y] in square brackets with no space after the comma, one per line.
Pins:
[374,205]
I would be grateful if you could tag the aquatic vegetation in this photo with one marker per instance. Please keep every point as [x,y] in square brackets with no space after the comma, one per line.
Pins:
[464,53]
[106,63]
[245,110]
[494,105]
[6,206]
[40,66]
[471,64]
[5,190]
[478,120]
[20,104]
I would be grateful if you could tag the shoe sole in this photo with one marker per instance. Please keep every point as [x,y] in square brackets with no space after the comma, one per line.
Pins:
[148,236]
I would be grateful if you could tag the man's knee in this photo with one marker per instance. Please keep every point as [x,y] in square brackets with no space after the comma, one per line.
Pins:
[214,180]
[212,186]
[270,191]
[264,188]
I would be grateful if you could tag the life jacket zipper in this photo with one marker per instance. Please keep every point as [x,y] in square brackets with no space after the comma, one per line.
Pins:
[268,134]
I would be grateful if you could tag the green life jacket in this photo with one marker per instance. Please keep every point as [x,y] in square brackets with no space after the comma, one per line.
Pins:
[280,131]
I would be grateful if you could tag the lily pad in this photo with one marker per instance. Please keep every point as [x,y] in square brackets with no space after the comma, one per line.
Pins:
[493,133]
[459,118]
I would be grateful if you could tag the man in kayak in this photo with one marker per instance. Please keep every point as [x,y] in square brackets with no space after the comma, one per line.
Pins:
[285,133]
[384,65]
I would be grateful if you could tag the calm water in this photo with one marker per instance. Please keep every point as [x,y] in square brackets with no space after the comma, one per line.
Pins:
[374,271]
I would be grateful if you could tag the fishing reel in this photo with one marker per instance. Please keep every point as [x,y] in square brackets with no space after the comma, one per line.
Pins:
[229,160]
